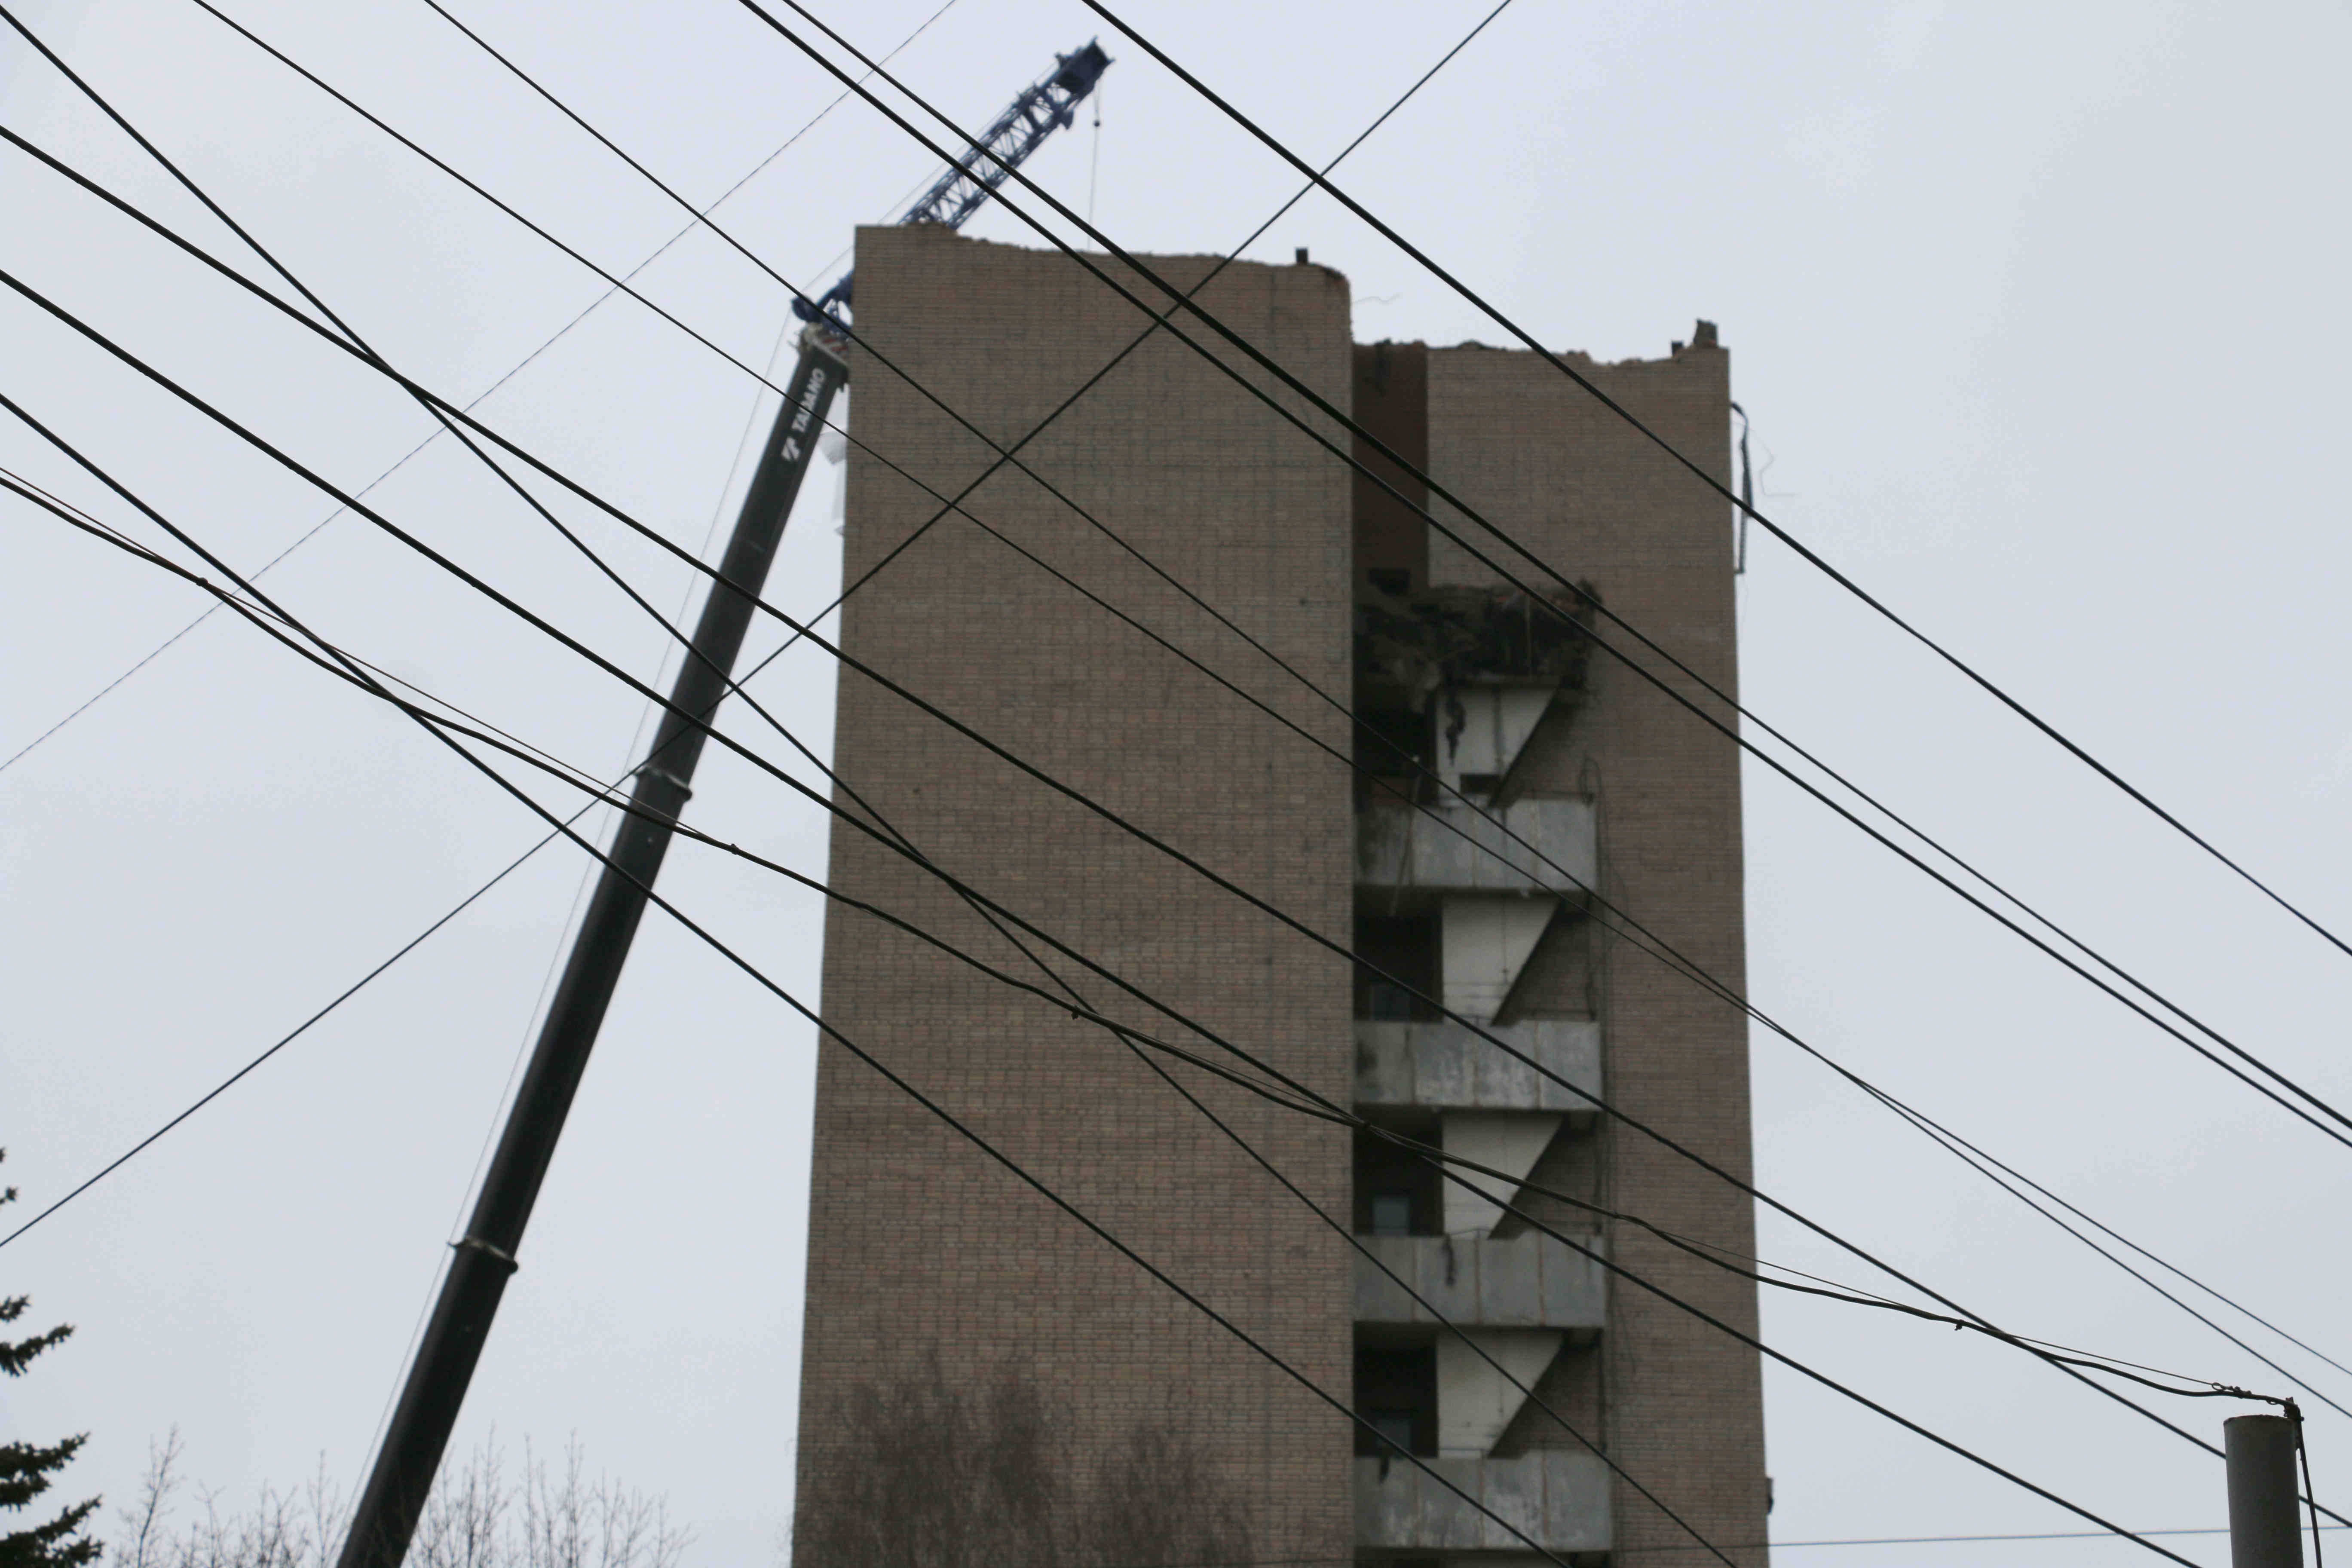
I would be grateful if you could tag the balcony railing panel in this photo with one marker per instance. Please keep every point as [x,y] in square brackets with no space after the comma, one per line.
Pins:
[1444,1066]
[1530,1280]
[1558,1498]
[1550,848]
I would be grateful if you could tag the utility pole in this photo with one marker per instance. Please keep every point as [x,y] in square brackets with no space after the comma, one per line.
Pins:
[2266,1530]
[429,1401]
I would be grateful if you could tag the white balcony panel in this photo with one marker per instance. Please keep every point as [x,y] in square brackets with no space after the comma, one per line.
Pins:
[1506,1140]
[1448,1068]
[1484,941]
[1526,1281]
[1557,1497]
[1480,729]
[1452,849]
[1479,1395]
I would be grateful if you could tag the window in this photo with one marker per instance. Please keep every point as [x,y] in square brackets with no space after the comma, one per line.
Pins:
[1400,955]
[1396,1394]
[1397,1192]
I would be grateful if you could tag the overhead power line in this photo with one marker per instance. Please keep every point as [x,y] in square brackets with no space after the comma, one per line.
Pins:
[1209,609]
[1324,407]
[1044,566]
[1330,1108]
[612,288]
[1044,778]
[436,727]
[1674,960]
[1746,508]
[573,775]
[1006,453]
[1377,122]
[931,711]
[1185,302]
[532,618]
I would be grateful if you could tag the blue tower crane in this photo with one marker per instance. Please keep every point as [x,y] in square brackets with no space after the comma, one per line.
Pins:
[388,1510]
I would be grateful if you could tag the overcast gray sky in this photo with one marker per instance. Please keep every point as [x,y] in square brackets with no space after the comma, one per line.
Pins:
[2039,312]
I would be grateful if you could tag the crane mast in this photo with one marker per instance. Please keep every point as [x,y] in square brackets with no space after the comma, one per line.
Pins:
[483,1257]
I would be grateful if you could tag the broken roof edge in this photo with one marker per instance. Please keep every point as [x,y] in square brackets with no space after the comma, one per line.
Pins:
[1704,340]
[1149,258]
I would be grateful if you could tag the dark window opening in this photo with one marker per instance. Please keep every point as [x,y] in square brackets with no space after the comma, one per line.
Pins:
[1396,1392]
[1397,1192]
[1398,955]
[1393,747]
[1480,784]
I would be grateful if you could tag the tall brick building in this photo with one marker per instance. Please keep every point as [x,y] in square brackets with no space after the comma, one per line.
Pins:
[930,1270]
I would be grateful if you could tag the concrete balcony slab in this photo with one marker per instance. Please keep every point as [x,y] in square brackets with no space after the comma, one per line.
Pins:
[1558,1498]
[1550,848]
[1526,1281]
[1445,1066]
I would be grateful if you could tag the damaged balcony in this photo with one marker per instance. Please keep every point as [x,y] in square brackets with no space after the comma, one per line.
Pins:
[1560,1498]
[1410,646]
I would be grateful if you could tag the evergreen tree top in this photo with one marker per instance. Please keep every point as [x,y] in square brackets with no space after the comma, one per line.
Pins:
[27,1468]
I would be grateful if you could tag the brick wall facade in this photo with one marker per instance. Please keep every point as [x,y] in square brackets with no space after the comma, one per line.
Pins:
[924,1260]
[918,1246]
[1545,462]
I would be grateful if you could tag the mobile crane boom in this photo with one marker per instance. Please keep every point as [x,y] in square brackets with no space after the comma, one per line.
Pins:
[404,1466]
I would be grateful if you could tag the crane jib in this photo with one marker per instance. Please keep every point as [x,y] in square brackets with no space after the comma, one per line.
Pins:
[387,1516]
[1042,108]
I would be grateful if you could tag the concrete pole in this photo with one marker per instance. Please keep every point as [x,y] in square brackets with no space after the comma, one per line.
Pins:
[2265,1528]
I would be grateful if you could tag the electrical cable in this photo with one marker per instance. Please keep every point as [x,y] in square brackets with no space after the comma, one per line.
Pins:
[1066,579]
[1077,796]
[386,369]
[572,775]
[41,498]
[611,288]
[902,925]
[1939,1129]
[1229,624]
[436,727]
[1317,740]
[219,266]
[678,199]
[1743,504]
[951,412]
[2003,1176]
[2303,1452]
[1324,405]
